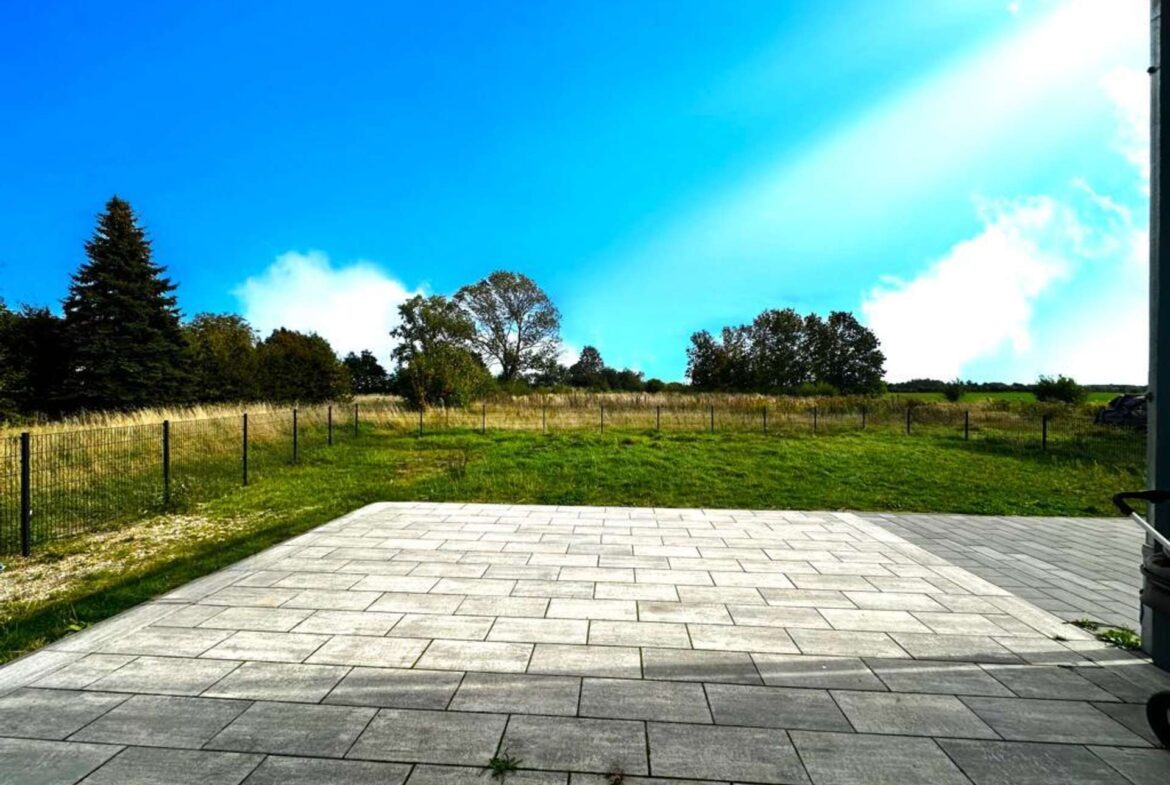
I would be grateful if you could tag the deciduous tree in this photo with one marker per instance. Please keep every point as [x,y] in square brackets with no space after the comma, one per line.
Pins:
[517,327]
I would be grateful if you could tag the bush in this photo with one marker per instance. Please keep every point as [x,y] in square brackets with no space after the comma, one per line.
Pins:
[953,390]
[655,385]
[1062,389]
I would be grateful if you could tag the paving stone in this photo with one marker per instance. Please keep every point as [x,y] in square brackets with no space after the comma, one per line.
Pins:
[151,766]
[720,595]
[846,644]
[644,700]
[1068,722]
[941,676]
[738,638]
[777,616]
[526,630]
[348,623]
[873,621]
[52,714]
[426,774]
[260,619]
[278,681]
[894,601]
[600,779]
[447,627]
[476,656]
[911,714]
[966,648]
[162,721]
[517,693]
[294,729]
[243,596]
[564,743]
[503,606]
[634,633]
[318,580]
[602,661]
[396,688]
[723,753]
[402,602]
[714,666]
[807,598]
[396,583]
[861,759]
[374,652]
[190,615]
[333,600]
[165,675]
[683,612]
[652,592]
[36,762]
[449,737]
[267,646]
[803,670]
[317,771]
[1132,716]
[1015,763]
[1046,681]
[1142,767]
[83,672]
[775,707]
[617,610]
[165,641]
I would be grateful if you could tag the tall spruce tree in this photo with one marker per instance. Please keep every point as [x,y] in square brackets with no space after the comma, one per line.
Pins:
[122,320]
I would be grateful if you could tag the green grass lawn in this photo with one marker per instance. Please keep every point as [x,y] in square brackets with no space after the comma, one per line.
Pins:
[976,397]
[74,583]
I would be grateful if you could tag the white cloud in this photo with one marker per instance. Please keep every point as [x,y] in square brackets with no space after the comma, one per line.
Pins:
[353,306]
[1129,90]
[976,300]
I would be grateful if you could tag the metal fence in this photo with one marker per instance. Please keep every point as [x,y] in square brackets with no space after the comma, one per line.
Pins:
[55,485]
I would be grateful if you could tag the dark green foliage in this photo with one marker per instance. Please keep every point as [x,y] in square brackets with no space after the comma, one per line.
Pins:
[517,327]
[123,321]
[655,385]
[435,361]
[222,354]
[1062,389]
[503,764]
[366,374]
[293,366]
[953,390]
[781,352]
[589,370]
[625,380]
[34,361]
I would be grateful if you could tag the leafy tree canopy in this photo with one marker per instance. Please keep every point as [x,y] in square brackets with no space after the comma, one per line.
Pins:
[517,327]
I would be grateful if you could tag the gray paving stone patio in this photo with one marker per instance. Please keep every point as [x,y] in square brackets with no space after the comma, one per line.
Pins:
[410,643]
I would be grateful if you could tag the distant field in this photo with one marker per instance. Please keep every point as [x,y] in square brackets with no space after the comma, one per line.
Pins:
[975,397]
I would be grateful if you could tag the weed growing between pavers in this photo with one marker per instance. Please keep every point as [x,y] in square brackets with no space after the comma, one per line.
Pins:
[1121,637]
[503,764]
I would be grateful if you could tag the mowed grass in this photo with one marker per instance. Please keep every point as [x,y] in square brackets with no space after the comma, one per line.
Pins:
[71,584]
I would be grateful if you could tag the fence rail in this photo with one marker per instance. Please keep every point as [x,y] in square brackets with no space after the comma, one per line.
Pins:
[55,485]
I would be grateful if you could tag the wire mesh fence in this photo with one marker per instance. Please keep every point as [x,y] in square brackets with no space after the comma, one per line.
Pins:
[69,482]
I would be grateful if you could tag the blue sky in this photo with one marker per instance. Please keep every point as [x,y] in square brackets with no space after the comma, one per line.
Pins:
[968,176]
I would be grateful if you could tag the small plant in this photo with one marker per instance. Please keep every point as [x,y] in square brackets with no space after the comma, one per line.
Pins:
[503,764]
[1062,389]
[615,776]
[1121,637]
[953,390]
[1086,624]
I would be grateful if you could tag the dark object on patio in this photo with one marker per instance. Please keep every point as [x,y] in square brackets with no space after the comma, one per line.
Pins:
[1155,594]
[1128,411]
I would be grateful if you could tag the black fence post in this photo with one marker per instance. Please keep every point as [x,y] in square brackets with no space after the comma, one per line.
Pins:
[355,419]
[967,425]
[25,497]
[483,418]
[1044,432]
[244,455]
[329,422]
[658,418]
[601,406]
[420,420]
[712,418]
[294,426]
[814,415]
[765,419]
[166,462]
[544,416]
[908,410]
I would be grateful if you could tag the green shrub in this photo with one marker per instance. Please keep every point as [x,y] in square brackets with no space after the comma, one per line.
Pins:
[953,390]
[1062,389]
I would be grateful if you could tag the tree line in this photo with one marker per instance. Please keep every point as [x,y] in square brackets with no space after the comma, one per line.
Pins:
[120,342]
